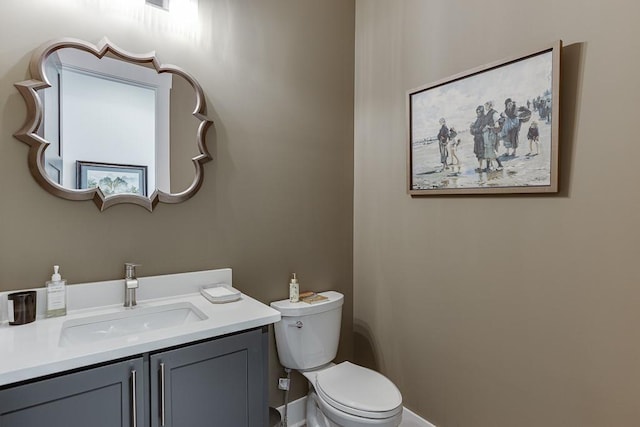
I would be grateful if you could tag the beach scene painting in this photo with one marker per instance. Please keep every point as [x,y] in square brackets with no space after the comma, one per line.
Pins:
[493,129]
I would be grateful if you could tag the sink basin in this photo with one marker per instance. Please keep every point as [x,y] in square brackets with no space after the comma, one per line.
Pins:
[128,323]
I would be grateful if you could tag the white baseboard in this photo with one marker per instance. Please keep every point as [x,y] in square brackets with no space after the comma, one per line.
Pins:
[296,415]
[411,419]
[295,412]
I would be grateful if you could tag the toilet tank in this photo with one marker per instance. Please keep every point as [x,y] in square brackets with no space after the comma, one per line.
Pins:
[307,335]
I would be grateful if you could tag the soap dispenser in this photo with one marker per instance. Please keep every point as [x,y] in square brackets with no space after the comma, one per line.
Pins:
[56,294]
[294,289]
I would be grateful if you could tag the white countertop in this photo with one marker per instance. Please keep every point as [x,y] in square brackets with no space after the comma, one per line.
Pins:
[33,350]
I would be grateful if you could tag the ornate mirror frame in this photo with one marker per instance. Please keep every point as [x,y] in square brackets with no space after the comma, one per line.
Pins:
[27,134]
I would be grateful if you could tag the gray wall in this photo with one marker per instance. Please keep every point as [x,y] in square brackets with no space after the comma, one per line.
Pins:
[276,199]
[502,311]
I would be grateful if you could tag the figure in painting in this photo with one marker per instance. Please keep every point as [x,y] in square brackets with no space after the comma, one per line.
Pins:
[544,109]
[476,129]
[510,127]
[533,135]
[490,132]
[443,140]
[453,148]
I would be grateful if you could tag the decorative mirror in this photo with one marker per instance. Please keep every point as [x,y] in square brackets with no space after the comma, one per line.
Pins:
[112,126]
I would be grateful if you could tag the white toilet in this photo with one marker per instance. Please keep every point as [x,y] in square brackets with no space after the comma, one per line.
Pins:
[342,395]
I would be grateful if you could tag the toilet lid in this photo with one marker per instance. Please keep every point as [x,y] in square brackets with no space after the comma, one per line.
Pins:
[359,391]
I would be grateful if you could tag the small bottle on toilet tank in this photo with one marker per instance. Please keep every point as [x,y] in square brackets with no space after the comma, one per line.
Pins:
[294,289]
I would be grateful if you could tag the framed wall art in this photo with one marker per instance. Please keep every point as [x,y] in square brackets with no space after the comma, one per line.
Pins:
[493,129]
[112,178]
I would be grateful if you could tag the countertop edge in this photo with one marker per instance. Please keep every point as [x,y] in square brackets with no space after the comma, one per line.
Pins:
[86,361]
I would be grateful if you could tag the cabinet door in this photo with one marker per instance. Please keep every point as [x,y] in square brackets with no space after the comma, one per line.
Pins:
[96,397]
[218,383]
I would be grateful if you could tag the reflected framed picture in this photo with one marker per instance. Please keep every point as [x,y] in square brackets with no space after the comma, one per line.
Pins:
[492,129]
[112,178]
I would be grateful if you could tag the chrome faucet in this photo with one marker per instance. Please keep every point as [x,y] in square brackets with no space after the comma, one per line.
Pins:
[130,284]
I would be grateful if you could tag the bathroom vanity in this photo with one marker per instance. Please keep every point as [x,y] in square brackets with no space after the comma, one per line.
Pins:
[174,360]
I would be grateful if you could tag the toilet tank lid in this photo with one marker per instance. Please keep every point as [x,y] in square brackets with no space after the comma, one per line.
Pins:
[287,309]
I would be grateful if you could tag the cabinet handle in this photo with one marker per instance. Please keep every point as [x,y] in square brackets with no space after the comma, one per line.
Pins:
[162,394]
[134,415]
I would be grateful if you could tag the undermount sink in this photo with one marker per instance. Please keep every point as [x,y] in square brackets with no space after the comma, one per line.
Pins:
[129,322]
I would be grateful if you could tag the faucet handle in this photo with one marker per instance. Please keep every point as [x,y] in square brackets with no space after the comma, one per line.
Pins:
[130,269]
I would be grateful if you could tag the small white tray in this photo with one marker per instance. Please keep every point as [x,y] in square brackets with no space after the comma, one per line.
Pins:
[220,293]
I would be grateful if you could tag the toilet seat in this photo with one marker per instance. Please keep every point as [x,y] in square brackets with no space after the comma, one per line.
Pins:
[358,391]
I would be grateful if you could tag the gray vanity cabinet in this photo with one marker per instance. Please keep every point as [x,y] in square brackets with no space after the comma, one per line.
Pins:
[96,397]
[218,383]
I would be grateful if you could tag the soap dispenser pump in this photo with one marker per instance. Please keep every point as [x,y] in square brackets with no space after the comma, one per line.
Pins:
[294,289]
[56,294]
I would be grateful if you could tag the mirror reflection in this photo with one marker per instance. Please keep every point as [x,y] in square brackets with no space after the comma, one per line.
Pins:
[114,126]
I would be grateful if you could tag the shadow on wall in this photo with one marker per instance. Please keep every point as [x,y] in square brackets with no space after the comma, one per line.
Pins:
[364,347]
[571,81]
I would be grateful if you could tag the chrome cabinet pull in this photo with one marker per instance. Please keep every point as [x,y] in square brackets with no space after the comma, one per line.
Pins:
[162,394]
[134,414]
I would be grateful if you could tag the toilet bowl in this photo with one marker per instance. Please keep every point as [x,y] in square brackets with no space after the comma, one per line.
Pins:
[340,395]
[352,396]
